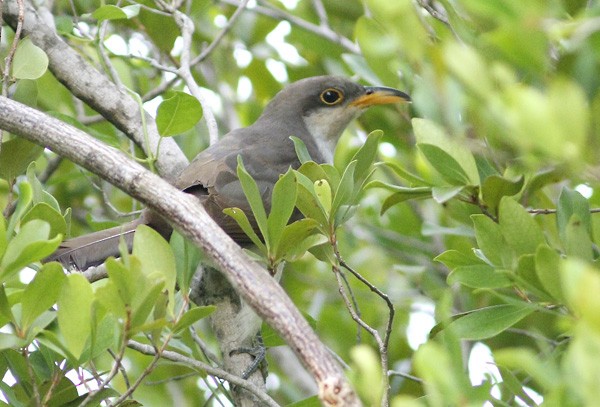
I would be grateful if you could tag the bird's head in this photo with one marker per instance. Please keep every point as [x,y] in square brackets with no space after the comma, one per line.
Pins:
[327,104]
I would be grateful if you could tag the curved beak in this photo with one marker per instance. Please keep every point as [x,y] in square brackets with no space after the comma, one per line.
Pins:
[379,95]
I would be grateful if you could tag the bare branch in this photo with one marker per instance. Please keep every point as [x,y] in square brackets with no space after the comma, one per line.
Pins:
[253,283]
[95,89]
[321,31]
[214,371]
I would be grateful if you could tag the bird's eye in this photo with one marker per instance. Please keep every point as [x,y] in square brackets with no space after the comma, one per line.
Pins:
[331,96]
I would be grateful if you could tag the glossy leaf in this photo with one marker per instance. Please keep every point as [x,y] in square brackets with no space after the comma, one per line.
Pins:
[242,220]
[495,187]
[301,150]
[31,244]
[572,203]
[42,292]
[74,313]
[47,213]
[454,162]
[110,12]
[478,276]
[520,230]
[547,267]
[178,114]
[192,316]
[283,202]
[365,156]
[156,257]
[489,321]
[30,61]
[491,241]
[15,157]
[254,198]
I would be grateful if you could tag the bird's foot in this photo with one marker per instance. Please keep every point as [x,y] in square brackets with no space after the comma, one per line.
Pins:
[259,352]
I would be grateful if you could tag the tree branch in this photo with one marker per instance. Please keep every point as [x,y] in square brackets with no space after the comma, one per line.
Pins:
[253,283]
[320,30]
[95,89]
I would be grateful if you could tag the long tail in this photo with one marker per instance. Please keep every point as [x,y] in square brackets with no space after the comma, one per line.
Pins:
[91,250]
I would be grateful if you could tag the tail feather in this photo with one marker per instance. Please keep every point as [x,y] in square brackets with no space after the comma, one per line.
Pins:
[91,250]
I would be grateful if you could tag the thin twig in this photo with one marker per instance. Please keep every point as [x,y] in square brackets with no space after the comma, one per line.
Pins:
[406,376]
[321,12]
[210,355]
[115,367]
[157,355]
[214,371]
[324,32]
[11,52]
[112,72]
[382,343]
[121,368]
[215,42]
[187,29]
[32,378]
[354,305]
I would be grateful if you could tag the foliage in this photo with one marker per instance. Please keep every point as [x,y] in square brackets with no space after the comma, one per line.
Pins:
[481,209]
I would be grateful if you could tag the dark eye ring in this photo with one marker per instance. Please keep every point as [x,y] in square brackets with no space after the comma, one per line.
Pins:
[331,96]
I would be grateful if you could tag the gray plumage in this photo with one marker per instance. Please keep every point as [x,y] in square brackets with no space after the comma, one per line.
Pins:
[316,110]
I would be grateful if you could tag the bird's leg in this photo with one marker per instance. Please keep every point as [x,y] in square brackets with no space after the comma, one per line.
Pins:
[259,352]
[234,324]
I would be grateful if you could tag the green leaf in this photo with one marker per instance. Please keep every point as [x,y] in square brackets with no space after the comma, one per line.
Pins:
[491,242]
[577,239]
[295,239]
[308,202]
[3,237]
[323,191]
[365,156]
[23,204]
[454,258]
[478,276]
[15,157]
[192,316]
[403,173]
[345,190]
[488,322]
[444,164]
[39,193]
[110,12]
[520,230]
[283,202]
[526,360]
[254,199]
[156,257]
[178,114]
[41,293]
[29,62]
[242,220]
[144,302]
[47,213]
[572,203]
[30,245]
[401,194]
[495,187]
[301,150]
[547,268]
[74,313]
[26,92]
[366,365]
[308,402]
[443,194]
[453,161]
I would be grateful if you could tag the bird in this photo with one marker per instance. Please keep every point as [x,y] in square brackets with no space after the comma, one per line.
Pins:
[316,110]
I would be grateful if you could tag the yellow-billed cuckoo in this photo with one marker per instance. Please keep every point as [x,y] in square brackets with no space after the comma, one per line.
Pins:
[316,110]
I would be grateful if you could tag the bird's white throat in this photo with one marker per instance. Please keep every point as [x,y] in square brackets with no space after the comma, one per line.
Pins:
[326,127]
